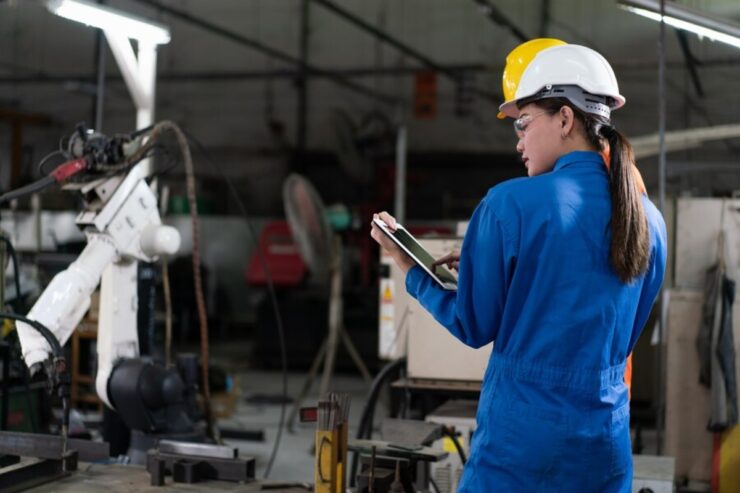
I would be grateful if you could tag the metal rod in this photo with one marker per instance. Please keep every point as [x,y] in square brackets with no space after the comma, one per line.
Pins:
[51,446]
[357,72]
[302,86]
[256,45]
[100,54]
[43,78]
[399,208]
[5,355]
[100,84]
[402,47]
[660,390]
[198,449]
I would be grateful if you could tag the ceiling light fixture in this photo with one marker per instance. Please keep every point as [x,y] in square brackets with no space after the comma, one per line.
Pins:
[113,20]
[687,19]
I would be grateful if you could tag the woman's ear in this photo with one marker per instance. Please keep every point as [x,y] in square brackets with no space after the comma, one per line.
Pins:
[567,120]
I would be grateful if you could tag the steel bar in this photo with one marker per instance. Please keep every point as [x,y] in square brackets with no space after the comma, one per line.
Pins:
[198,449]
[50,446]
[28,474]
[261,47]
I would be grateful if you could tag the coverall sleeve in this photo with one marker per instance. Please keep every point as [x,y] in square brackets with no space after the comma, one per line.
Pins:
[652,282]
[472,313]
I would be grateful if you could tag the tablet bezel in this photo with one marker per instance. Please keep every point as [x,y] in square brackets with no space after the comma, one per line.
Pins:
[386,230]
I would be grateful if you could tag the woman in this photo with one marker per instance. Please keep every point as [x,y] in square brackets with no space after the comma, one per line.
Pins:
[560,269]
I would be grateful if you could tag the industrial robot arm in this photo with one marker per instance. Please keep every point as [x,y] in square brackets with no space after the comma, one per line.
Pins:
[123,226]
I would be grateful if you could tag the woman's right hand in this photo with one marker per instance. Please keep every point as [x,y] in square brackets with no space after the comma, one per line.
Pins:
[451,261]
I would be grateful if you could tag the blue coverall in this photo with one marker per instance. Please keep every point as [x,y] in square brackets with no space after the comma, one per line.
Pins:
[535,277]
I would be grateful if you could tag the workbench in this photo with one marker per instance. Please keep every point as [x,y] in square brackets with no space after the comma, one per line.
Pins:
[116,478]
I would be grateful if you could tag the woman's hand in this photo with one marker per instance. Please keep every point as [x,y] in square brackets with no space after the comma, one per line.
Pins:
[400,257]
[451,261]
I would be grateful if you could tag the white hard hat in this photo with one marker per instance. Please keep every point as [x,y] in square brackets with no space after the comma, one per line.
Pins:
[575,72]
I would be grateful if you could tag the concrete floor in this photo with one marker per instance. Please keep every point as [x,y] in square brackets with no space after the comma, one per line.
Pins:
[294,460]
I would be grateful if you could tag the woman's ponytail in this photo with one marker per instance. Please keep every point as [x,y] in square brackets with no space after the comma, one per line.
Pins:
[630,248]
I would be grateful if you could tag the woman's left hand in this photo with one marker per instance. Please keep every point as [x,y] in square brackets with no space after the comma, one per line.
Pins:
[400,257]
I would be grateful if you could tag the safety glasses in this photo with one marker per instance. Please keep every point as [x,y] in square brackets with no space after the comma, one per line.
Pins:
[521,123]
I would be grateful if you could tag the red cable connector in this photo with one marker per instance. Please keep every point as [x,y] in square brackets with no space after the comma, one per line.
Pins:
[68,169]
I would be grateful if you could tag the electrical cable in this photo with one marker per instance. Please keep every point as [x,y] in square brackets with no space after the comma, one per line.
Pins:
[56,348]
[451,435]
[434,485]
[19,306]
[46,159]
[182,142]
[364,429]
[164,196]
[35,187]
[272,295]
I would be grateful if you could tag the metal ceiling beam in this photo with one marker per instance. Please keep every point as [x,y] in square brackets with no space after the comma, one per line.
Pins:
[358,72]
[44,78]
[493,13]
[691,61]
[402,47]
[272,52]
[544,18]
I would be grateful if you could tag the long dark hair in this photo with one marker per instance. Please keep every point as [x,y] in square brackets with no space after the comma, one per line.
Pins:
[630,247]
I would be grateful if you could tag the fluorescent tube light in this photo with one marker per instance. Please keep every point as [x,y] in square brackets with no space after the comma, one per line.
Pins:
[109,19]
[687,19]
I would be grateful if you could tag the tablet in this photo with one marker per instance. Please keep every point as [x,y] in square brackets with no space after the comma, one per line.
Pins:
[421,257]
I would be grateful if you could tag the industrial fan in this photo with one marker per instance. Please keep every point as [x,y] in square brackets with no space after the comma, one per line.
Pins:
[321,250]
[360,145]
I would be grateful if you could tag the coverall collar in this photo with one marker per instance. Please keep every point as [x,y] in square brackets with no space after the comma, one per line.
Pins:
[579,157]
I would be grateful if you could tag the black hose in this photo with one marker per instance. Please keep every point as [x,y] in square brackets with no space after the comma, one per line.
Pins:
[451,435]
[35,187]
[56,349]
[365,428]
[434,485]
[40,328]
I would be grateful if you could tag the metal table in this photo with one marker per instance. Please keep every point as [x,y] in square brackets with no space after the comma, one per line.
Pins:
[115,478]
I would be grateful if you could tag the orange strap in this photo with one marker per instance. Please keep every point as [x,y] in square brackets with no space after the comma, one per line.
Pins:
[628,375]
